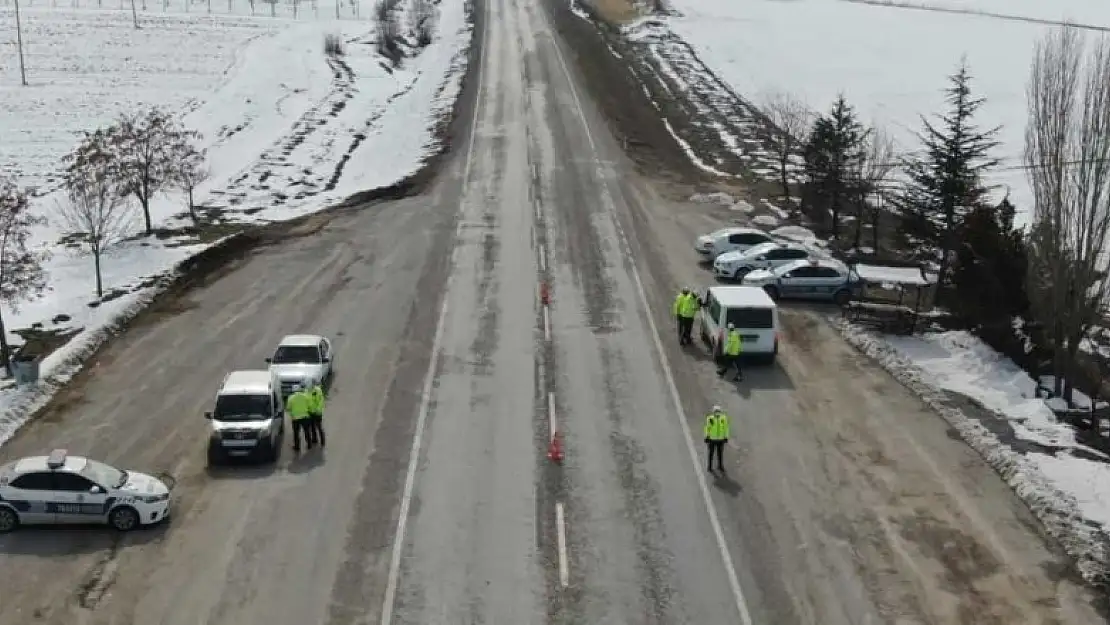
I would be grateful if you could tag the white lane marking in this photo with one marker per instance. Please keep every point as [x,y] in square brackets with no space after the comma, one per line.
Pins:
[429,377]
[551,413]
[679,412]
[546,324]
[543,258]
[561,529]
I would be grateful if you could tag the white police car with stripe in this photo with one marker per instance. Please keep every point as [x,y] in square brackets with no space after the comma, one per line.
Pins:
[64,489]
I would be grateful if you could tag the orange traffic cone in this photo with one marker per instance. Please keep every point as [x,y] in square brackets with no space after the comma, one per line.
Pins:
[555,449]
[545,293]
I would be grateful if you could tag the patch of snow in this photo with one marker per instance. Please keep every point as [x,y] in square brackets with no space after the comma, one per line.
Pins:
[1054,492]
[766,221]
[281,123]
[742,206]
[689,150]
[781,214]
[716,197]
[795,233]
[891,275]
[578,10]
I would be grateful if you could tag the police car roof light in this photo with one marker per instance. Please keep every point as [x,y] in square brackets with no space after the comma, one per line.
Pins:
[56,459]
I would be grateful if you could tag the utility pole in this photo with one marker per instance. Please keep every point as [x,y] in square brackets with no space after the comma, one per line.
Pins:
[19,44]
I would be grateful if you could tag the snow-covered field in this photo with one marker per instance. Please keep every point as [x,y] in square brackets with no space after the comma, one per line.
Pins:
[890,62]
[288,131]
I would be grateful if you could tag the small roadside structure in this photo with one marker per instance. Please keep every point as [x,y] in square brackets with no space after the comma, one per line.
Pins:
[884,295]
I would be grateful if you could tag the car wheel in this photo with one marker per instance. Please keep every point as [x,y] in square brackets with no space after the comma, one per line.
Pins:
[772,291]
[214,456]
[123,519]
[842,297]
[9,520]
[740,273]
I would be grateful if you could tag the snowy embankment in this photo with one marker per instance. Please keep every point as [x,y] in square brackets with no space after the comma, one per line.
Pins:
[289,131]
[1064,483]
[815,49]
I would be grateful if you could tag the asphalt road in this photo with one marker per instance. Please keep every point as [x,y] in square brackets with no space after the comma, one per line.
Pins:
[846,501]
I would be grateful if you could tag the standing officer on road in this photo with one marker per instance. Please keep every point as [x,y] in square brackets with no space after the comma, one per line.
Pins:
[685,309]
[716,435]
[730,355]
[299,407]
[316,431]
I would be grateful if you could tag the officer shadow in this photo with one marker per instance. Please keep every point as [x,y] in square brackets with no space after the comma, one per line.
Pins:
[723,482]
[306,460]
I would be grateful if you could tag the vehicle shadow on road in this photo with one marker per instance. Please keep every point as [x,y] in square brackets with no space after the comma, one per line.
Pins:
[241,471]
[66,540]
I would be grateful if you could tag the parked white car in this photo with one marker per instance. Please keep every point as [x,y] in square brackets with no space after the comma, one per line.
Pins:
[61,489]
[301,358]
[734,265]
[814,279]
[729,239]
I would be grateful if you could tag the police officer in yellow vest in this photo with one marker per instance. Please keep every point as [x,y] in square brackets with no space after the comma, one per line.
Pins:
[716,435]
[316,431]
[299,407]
[685,309]
[730,354]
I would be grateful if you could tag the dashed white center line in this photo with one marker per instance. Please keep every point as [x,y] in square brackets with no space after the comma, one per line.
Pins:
[543,258]
[546,325]
[561,529]
[551,413]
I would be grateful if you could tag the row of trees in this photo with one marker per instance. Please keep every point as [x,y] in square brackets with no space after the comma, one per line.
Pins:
[1055,272]
[110,171]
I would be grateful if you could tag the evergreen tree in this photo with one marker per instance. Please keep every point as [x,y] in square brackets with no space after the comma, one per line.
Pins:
[988,274]
[832,154]
[946,181]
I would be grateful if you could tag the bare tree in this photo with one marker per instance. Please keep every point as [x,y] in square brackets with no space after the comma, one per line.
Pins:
[871,179]
[19,44]
[96,211]
[388,33]
[790,118]
[144,145]
[333,45]
[21,273]
[1067,158]
[135,14]
[189,171]
[423,21]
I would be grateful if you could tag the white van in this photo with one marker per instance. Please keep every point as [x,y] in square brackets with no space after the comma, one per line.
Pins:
[248,418]
[750,310]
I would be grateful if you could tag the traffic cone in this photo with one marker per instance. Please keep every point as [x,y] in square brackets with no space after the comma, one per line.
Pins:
[555,449]
[545,293]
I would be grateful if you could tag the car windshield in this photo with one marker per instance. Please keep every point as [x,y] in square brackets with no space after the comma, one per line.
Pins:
[104,475]
[296,354]
[242,408]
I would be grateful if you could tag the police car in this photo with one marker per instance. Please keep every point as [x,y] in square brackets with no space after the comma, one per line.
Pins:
[812,278]
[734,265]
[64,489]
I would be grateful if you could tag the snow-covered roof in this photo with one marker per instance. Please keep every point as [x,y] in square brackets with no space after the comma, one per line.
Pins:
[301,340]
[895,275]
[247,382]
[742,297]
